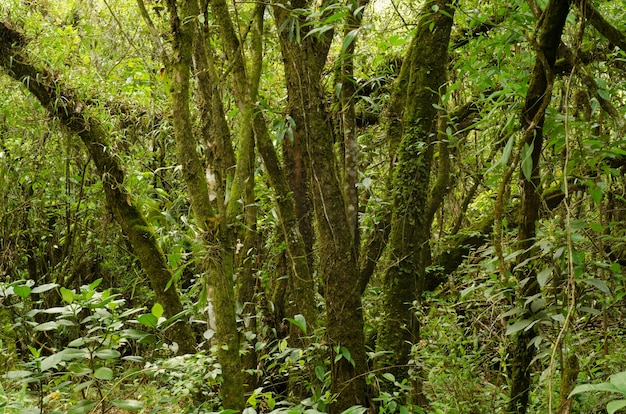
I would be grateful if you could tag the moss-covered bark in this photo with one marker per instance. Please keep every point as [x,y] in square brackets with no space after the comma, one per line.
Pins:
[219,240]
[304,61]
[72,112]
[537,98]
[410,224]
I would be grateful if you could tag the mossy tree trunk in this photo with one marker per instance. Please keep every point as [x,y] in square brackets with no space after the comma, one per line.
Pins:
[62,103]
[338,266]
[426,65]
[217,234]
[538,98]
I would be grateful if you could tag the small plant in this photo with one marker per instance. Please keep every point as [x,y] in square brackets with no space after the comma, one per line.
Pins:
[89,367]
[616,384]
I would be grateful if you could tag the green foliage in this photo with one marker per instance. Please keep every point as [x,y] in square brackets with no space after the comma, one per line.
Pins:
[90,365]
[616,384]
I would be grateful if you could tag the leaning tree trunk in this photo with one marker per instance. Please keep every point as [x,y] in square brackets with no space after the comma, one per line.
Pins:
[538,97]
[71,111]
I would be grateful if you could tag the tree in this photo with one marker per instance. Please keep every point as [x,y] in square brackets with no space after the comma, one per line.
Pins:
[70,109]
[425,69]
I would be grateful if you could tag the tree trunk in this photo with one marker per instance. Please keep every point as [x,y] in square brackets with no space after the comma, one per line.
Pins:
[537,99]
[304,61]
[408,246]
[65,105]
[217,236]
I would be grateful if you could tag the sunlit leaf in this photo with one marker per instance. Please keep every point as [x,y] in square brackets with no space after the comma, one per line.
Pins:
[613,406]
[128,405]
[22,291]
[44,288]
[157,310]
[103,373]
[83,407]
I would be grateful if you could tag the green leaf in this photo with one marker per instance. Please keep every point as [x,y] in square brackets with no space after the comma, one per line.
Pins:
[603,386]
[319,372]
[103,373]
[107,354]
[83,407]
[517,326]
[148,319]
[93,285]
[355,409]
[44,288]
[619,380]
[22,291]
[347,41]
[67,295]
[599,284]
[298,321]
[128,405]
[596,194]
[527,161]
[46,326]
[157,310]
[51,361]
[389,377]
[17,374]
[604,94]
[613,406]
[544,276]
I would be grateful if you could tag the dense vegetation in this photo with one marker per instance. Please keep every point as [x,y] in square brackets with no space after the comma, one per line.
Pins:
[312,206]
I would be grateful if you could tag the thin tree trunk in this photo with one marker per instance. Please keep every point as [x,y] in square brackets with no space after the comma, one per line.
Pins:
[217,236]
[538,97]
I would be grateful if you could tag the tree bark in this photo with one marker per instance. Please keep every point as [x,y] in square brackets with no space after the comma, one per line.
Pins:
[551,26]
[217,237]
[71,111]
[410,225]
[304,61]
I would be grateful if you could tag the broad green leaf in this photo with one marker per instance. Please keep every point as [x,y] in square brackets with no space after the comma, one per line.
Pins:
[44,288]
[83,407]
[613,406]
[517,326]
[527,161]
[389,377]
[67,295]
[249,410]
[128,405]
[148,319]
[347,41]
[544,276]
[22,291]
[298,321]
[93,285]
[619,380]
[157,310]
[319,372]
[598,284]
[51,361]
[506,153]
[107,354]
[103,373]
[17,374]
[603,386]
[596,194]
[46,326]
[355,409]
